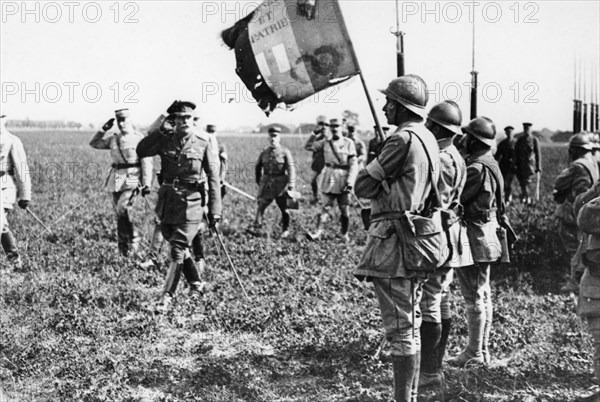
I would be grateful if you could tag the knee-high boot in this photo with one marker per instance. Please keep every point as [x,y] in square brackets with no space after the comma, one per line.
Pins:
[446,327]
[430,370]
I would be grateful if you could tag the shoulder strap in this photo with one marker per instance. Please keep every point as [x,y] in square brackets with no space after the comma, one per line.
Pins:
[434,188]
[334,152]
[499,198]
[118,140]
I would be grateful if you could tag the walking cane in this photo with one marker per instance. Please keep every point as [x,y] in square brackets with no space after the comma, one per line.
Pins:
[46,228]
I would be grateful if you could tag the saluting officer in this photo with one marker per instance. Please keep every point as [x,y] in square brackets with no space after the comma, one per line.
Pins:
[275,175]
[528,161]
[444,121]
[16,184]
[337,179]
[395,183]
[581,174]
[480,201]
[128,172]
[318,162]
[505,155]
[185,151]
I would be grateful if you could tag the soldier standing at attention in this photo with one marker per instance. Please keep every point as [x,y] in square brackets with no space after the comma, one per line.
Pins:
[395,183]
[185,152]
[128,172]
[318,162]
[480,202]
[528,162]
[337,179]
[505,155]
[581,174]
[444,121]
[275,175]
[16,184]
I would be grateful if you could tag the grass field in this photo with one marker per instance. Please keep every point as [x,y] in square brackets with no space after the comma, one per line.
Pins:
[76,327]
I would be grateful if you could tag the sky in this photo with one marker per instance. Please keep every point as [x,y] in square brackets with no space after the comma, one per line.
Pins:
[81,60]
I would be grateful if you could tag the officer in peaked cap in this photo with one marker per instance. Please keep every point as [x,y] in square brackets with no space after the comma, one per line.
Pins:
[128,174]
[528,162]
[16,185]
[337,179]
[505,155]
[275,175]
[185,152]
[318,163]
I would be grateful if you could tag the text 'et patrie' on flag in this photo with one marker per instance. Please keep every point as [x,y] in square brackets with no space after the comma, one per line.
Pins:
[288,50]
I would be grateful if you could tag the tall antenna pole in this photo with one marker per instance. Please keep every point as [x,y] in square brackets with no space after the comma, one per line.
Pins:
[473,79]
[585,105]
[399,44]
[575,114]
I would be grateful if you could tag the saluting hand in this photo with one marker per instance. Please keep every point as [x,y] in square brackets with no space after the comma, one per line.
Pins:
[108,125]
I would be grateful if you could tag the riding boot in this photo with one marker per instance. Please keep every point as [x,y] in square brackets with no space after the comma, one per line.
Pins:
[446,327]
[405,371]
[9,244]
[345,223]
[285,220]
[197,247]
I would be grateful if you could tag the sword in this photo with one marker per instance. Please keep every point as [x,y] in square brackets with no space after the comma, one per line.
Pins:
[230,262]
[212,235]
[59,219]
[46,228]
[382,345]
[237,190]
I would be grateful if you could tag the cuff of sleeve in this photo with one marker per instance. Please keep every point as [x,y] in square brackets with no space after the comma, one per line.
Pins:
[375,170]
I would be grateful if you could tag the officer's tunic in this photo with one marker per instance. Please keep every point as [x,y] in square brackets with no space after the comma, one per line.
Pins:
[14,171]
[179,206]
[527,158]
[396,181]
[274,172]
[340,170]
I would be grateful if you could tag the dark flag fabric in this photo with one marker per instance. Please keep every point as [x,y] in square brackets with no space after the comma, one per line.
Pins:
[288,50]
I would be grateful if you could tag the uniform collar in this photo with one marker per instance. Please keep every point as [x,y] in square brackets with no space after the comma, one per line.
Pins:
[444,143]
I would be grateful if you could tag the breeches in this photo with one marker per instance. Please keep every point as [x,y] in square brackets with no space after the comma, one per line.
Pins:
[435,303]
[120,201]
[399,304]
[474,283]
[179,237]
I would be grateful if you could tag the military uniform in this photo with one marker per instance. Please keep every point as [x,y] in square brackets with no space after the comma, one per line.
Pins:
[275,173]
[128,172]
[528,163]
[505,155]
[16,184]
[317,162]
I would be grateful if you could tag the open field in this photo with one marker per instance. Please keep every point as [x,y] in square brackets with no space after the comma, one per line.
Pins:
[76,327]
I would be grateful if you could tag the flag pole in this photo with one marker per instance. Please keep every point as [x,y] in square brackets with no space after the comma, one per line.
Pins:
[379,131]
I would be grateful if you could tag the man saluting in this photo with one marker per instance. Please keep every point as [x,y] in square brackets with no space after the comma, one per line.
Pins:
[185,152]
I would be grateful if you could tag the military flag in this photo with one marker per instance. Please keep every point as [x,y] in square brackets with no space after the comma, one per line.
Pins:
[288,50]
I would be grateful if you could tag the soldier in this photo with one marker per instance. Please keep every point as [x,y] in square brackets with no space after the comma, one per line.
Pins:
[581,174]
[480,202]
[361,150]
[444,121]
[505,157]
[275,175]
[16,184]
[127,174]
[393,182]
[337,179]
[318,162]
[528,162]
[375,144]
[185,152]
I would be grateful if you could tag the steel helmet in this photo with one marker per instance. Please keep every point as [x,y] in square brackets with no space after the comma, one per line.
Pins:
[581,140]
[448,115]
[410,91]
[484,129]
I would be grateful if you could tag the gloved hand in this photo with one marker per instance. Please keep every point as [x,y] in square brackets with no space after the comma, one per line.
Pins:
[167,124]
[108,125]
[223,190]
[213,220]
[348,189]
[23,204]
[145,191]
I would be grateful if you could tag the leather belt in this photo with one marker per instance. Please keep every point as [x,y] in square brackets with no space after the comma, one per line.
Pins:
[177,184]
[337,166]
[10,172]
[125,165]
